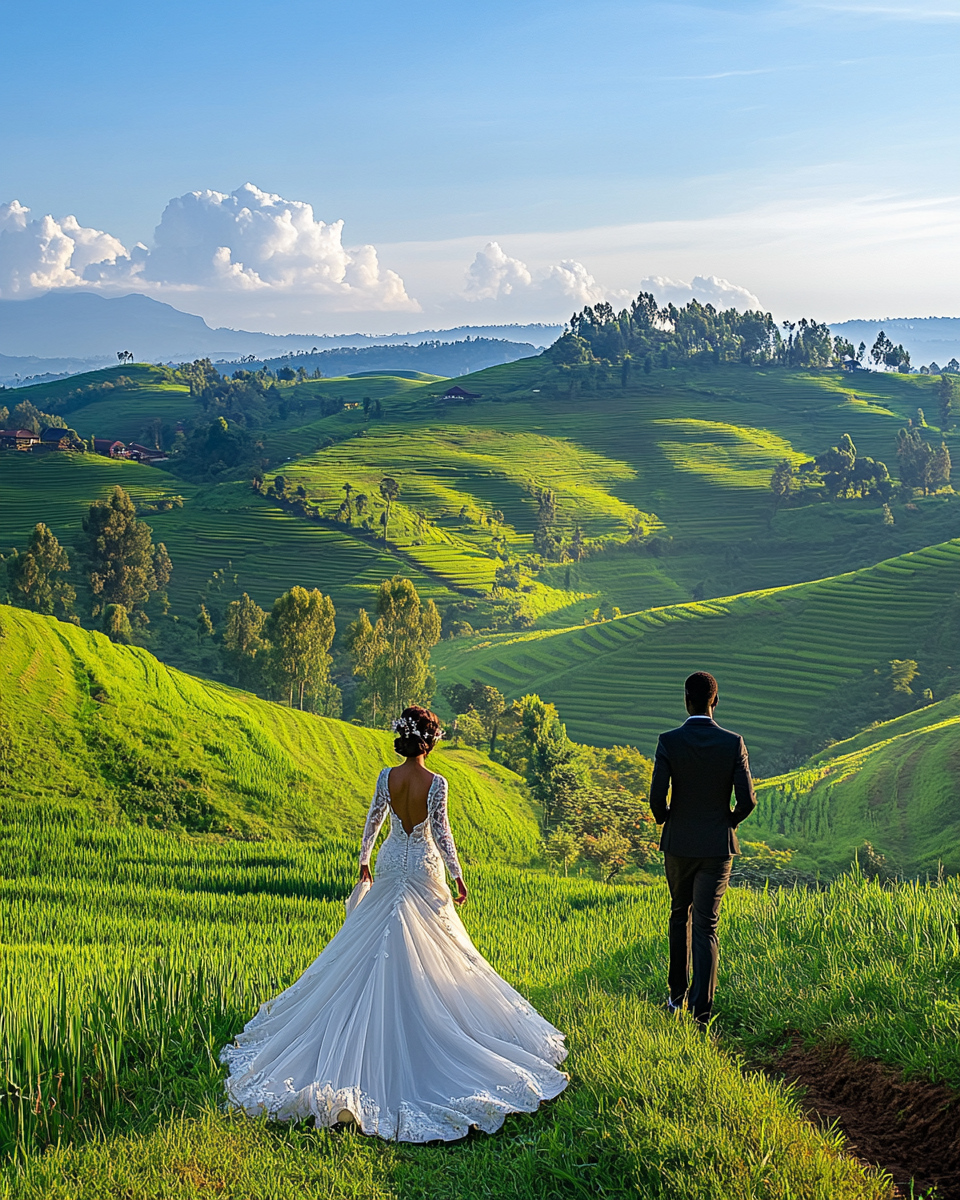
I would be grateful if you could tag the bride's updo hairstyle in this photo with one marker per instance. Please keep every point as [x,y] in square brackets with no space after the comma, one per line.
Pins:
[418,731]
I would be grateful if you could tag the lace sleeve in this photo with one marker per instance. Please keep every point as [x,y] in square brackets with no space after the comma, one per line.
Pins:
[440,828]
[378,810]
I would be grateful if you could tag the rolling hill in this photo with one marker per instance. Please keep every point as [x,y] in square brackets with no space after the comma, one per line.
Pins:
[112,730]
[665,479]
[786,658]
[894,785]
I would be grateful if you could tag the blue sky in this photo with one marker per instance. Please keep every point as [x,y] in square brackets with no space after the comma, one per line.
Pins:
[638,139]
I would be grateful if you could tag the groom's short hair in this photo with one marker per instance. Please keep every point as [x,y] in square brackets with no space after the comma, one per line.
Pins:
[701,689]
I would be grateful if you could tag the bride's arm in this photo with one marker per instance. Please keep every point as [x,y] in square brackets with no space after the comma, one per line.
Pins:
[375,818]
[440,828]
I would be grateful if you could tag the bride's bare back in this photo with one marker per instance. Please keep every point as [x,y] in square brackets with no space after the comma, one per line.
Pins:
[409,786]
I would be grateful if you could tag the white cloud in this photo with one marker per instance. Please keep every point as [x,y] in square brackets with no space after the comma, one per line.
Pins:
[495,276]
[251,240]
[46,253]
[207,242]
[721,293]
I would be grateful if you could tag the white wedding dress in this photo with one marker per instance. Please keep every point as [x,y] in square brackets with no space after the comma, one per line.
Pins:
[399,1024]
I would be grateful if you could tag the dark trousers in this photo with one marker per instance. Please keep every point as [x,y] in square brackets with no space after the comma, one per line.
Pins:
[696,891]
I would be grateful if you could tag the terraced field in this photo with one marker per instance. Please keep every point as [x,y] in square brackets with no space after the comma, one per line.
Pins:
[779,654]
[59,488]
[894,785]
[270,551]
[259,769]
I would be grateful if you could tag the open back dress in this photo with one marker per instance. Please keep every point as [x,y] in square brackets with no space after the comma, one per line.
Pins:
[400,1024]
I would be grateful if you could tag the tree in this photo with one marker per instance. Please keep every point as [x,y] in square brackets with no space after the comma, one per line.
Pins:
[116,624]
[836,466]
[389,490]
[393,656]
[552,764]
[783,481]
[120,553]
[881,347]
[920,465]
[626,368]
[940,468]
[243,637]
[843,349]
[563,848]
[947,396]
[610,851]
[485,702]
[301,628]
[367,648]
[204,624]
[34,578]
[903,671]
[162,566]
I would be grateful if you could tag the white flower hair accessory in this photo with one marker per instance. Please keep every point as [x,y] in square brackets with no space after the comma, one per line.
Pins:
[408,726]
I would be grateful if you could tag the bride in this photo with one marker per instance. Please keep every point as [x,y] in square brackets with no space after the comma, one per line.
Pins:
[400,1024]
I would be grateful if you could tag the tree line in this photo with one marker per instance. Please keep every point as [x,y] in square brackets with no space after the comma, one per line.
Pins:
[645,336]
[844,473]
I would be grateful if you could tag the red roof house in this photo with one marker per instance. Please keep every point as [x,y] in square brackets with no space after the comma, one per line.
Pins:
[17,439]
[109,448]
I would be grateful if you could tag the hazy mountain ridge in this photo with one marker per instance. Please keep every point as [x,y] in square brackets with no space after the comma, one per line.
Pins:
[90,329]
[927,338]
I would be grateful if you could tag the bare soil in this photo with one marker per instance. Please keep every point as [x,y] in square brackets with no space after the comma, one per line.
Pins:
[910,1128]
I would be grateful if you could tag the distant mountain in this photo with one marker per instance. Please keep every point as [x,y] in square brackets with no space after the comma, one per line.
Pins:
[433,358]
[92,328]
[929,339]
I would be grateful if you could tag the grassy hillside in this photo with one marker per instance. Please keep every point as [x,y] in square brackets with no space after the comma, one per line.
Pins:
[130,957]
[114,731]
[895,785]
[687,453]
[136,395]
[784,657]
[225,528]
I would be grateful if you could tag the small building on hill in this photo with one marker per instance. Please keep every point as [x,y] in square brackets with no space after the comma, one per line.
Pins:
[18,439]
[146,454]
[109,448]
[458,393]
[54,438]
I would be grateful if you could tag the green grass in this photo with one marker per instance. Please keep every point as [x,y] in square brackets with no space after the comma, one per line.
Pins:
[58,489]
[780,655]
[130,735]
[444,470]
[219,528]
[894,785]
[123,413]
[129,957]
[695,448]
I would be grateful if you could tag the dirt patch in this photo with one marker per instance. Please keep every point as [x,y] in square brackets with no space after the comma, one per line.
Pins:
[908,1127]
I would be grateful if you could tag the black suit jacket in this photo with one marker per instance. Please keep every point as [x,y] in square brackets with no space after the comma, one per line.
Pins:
[701,763]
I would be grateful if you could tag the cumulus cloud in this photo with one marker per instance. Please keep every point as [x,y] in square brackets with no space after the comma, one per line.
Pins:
[38,255]
[251,240]
[494,275]
[244,241]
[721,293]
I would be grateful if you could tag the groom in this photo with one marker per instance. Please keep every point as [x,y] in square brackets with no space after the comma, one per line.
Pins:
[702,764]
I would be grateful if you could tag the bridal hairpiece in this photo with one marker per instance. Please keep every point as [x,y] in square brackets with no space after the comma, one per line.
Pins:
[408,725]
